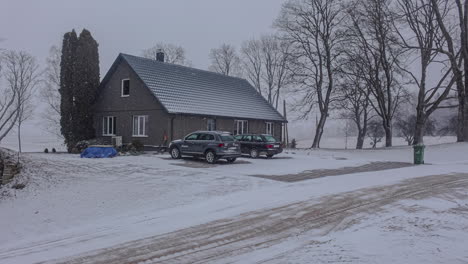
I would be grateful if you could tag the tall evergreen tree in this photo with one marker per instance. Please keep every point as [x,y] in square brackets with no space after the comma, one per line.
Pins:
[79,81]
[67,82]
[86,85]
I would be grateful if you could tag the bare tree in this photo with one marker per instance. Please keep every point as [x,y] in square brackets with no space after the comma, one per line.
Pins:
[313,29]
[50,91]
[372,32]
[421,37]
[276,57]
[252,61]
[21,75]
[355,103]
[26,111]
[406,128]
[225,60]
[172,53]
[266,64]
[375,132]
[354,88]
[456,54]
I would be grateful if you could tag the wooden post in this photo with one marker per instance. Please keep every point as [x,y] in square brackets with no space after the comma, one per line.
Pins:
[285,126]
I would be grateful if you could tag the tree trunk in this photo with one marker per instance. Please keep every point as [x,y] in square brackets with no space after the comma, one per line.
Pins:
[465,119]
[461,119]
[388,134]
[360,140]
[19,137]
[19,140]
[319,130]
[420,128]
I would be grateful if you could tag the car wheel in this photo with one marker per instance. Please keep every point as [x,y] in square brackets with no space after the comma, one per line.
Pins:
[269,156]
[175,153]
[254,153]
[210,157]
[245,151]
[231,160]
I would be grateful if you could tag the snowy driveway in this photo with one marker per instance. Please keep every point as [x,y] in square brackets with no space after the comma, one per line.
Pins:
[241,238]
[77,207]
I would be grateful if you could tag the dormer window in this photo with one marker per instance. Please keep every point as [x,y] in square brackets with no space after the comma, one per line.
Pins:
[125,88]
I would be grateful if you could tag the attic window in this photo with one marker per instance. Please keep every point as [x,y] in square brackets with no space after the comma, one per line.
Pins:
[125,88]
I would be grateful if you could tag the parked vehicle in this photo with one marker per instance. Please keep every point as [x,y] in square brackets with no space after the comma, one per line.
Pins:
[212,145]
[256,145]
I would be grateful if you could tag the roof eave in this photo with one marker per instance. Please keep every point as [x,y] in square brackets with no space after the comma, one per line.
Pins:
[226,116]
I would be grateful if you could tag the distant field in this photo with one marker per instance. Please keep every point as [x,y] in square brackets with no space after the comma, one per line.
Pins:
[36,139]
[340,142]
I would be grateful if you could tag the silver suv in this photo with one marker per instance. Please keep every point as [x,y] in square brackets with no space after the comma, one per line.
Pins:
[212,145]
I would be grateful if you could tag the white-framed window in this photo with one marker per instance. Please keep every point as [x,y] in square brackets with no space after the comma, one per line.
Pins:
[125,90]
[140,126]
[108,126]
[241,127]
[211,124]
[269,128]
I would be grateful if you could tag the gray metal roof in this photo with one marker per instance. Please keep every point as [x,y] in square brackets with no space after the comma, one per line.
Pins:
[192,91]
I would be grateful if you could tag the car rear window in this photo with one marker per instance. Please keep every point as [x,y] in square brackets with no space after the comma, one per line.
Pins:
[257,139]
[270,139]
[226,137]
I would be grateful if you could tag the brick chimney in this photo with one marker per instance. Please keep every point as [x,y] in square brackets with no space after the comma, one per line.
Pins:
[160,55]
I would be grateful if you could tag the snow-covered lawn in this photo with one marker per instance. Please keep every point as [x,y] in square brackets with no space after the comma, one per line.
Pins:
[350,143]
[71,206]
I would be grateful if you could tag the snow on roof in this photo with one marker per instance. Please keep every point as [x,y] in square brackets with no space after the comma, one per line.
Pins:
[192,91]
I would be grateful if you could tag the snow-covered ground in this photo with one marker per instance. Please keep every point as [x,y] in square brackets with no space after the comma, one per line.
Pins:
[34,139]
[350,142]
[72,206]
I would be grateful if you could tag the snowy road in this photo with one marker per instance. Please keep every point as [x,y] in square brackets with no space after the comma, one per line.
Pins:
[228,239]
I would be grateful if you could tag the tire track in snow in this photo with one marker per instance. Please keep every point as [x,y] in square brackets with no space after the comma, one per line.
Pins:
[260,229]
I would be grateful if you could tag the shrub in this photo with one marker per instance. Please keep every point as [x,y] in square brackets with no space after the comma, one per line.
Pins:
[54,150]
[293,143]
[83,144]
[80,146]
[137,145]
[375,132]
[132,148]
[18,186]
[46,150]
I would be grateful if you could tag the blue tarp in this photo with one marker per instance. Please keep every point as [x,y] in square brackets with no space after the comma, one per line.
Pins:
[99,152]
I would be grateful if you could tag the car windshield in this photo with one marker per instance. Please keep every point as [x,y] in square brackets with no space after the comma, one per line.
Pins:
[270,139]
[227,137]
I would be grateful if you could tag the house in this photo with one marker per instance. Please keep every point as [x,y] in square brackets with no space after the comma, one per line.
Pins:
[156,102]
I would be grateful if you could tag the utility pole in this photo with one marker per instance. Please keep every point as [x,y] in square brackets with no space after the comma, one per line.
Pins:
[285,126]
[346,135]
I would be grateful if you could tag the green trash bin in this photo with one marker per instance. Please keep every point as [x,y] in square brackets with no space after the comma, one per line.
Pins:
[418,154]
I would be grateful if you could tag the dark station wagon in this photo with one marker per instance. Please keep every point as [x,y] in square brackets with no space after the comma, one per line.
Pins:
[212,145]
[256,145]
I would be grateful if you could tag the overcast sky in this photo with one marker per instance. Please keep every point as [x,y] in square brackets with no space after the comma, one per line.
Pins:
[131,26]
